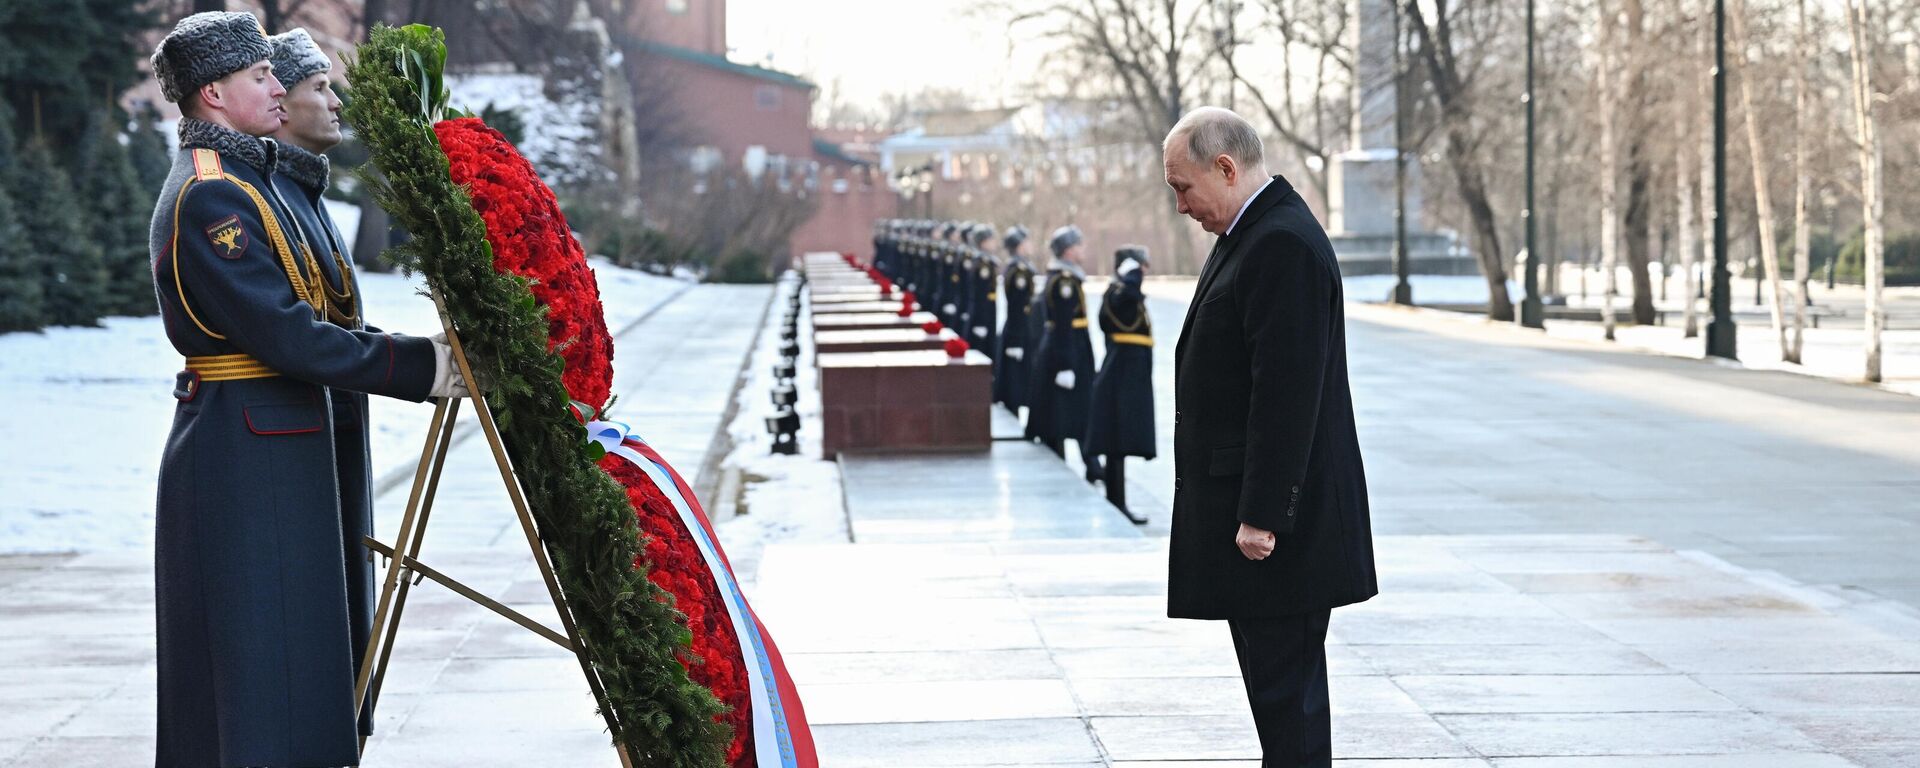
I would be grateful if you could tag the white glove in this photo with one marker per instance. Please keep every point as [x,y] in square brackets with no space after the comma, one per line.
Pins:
[1016,353]
[1127,266]
[447,381]
[1063,379]
[980,331]
[947,309]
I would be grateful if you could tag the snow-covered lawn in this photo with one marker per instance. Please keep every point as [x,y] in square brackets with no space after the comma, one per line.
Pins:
[784,499]
[89,409]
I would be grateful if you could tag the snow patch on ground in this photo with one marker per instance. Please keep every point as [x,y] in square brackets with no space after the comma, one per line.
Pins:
[784,499]
[90,409]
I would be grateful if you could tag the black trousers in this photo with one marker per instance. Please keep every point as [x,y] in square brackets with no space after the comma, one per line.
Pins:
[1283,661]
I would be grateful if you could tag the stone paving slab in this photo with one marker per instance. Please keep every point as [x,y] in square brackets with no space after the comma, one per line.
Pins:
[906,669]
[1017,490]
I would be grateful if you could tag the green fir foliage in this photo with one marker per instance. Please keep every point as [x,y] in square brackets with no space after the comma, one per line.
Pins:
[120,209]
[58,230]
[22,298]
[632,634]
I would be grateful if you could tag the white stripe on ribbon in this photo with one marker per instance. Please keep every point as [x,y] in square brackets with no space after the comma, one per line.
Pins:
[769,717]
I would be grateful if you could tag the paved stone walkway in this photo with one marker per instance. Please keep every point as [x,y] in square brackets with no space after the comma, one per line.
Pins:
[1589,557]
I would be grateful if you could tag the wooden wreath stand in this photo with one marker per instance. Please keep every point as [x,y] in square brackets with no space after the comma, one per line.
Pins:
[405,571]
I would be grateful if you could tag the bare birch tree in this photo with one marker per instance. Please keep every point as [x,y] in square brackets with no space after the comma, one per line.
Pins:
[1872,207]
[1762,196]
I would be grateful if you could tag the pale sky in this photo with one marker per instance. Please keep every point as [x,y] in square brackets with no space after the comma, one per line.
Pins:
[877,47]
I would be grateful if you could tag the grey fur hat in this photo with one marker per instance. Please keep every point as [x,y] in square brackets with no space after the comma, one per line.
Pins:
[297,57]
[205,47]
[980,235]
[1136,252]
[1015,236]
[1064,238]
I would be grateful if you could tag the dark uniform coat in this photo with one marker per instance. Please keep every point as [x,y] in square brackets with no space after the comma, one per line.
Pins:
[302,180]
[983,305]
[952,294]
[256,662]
[1055,414]
[1010,376]
[1264,429]
[1121,423]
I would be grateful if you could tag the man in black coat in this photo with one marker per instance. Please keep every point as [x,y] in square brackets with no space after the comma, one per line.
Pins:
[1121,422]
[1270,527]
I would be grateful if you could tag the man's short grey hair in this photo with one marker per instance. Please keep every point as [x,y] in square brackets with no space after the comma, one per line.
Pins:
[1213,131]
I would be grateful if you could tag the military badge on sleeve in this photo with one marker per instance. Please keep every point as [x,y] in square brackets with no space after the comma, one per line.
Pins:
[228,237]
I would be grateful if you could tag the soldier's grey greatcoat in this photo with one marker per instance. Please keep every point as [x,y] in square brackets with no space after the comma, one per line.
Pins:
[256,662]
[302,180]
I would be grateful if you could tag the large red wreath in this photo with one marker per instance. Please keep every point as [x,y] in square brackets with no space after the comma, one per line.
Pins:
[530,238]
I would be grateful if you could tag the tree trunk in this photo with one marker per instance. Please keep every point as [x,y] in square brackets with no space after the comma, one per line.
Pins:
[1801,238]
[1867,139]
[1609,174]
[1762,195]
[1639,169]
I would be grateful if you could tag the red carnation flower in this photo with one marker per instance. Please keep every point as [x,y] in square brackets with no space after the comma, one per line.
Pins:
[956,347]
[715,659]
[530,238]
[931,326]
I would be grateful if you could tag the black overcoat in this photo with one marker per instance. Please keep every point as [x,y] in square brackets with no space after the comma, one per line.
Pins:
[1264,429]
[1011,373]
[255,651]
[1121,420]
[983,306]
[1054,413]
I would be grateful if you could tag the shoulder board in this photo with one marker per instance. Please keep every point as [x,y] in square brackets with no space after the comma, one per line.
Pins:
[206,165]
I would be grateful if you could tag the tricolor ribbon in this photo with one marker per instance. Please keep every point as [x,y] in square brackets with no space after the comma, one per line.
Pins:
[780,733]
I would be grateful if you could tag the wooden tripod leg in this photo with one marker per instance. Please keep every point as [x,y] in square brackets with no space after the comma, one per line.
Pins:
[402,541]
[539,550]
[406,584]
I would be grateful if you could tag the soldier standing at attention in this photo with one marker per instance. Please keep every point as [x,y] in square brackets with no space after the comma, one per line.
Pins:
[255,650]
[983,295]
[1122,421]
[1010,367]
[311,128]
[1063,368]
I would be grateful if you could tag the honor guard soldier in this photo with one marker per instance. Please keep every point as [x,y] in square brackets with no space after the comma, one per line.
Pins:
[255,650]
[982,312]
[311,127]
[1058,399]
[949,295]
[1011,367]
[962,281]
[1121,423]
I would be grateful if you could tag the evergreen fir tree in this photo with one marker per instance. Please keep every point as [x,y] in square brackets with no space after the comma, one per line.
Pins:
[58,231]
[147,148]
[120,211]
[22,297]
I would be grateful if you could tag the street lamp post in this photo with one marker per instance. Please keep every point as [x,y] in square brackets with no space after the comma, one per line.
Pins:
[1402,289]
[1532,315]
[1720,330]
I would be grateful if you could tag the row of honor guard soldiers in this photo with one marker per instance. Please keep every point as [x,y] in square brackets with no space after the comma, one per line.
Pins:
[1042,347]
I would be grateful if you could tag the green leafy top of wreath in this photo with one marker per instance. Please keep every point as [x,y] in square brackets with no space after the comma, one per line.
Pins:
[633,635]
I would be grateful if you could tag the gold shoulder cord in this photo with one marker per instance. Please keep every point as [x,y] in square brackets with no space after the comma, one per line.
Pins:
[207,168]
[1106,308]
